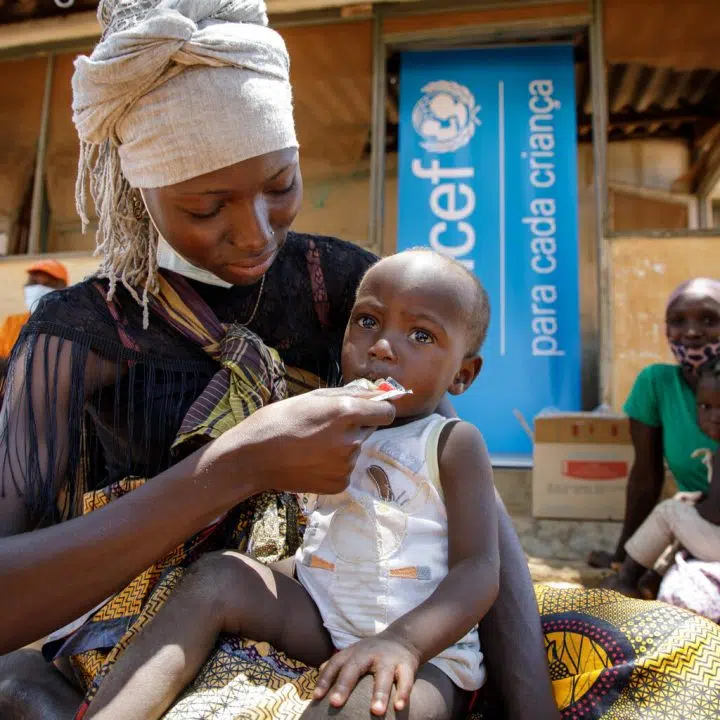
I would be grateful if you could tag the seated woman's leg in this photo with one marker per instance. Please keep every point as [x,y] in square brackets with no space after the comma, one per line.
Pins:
[33,689]
[511,636]
[223,592]
[433,697]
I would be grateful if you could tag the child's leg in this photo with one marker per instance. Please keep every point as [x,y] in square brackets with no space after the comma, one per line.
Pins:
[674,520]
[222,592]
[651,539]
[434,697]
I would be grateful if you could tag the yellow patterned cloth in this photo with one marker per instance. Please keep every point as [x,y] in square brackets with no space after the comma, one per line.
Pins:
[613,658]
[610,657]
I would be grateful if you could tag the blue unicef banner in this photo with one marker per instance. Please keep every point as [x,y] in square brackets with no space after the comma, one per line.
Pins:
[488,175]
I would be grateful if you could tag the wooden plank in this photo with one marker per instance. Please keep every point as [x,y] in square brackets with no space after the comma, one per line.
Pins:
[682,35]
[402,25]
[76,27]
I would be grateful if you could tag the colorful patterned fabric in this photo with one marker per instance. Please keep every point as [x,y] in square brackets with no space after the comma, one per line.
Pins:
[252,374]
[610,657]
[614,658]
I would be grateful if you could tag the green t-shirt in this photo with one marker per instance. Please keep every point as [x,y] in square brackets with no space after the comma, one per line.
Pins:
[661,398]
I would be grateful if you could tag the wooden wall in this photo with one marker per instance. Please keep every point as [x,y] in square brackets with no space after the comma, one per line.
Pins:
[644,272]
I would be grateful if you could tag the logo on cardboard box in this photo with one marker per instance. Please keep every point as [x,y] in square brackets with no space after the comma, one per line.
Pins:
[595,469]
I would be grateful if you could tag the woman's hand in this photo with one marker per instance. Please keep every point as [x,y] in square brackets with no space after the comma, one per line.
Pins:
[307,443]
[387,657]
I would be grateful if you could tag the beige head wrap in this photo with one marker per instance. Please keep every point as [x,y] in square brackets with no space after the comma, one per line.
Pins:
[175,89]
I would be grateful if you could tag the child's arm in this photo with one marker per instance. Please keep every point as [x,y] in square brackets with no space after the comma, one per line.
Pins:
[460,600]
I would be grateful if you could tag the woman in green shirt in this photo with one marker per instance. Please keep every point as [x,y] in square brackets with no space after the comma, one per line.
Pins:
[661,408]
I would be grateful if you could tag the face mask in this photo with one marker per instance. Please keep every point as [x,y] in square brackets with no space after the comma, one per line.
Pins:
[693,358]
[33,294]
[168,259]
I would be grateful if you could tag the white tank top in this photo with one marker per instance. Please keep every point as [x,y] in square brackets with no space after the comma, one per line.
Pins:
[380,548]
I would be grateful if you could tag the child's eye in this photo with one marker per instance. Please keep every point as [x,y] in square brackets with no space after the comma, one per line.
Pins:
[422,336]
[366,322]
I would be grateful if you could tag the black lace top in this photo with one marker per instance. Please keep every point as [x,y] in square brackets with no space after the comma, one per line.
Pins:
[91,397]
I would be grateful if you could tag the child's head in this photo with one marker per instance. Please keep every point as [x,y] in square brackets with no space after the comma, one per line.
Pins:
[420,318]
[707,398]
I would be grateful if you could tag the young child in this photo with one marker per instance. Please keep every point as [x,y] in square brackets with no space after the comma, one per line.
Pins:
[394,572]
[687,520]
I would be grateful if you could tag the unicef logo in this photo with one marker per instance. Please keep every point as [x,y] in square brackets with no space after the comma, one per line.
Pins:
[445,117]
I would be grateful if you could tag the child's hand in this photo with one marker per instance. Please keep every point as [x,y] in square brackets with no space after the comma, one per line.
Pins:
[386,657]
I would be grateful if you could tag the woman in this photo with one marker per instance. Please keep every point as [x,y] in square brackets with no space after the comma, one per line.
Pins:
[188,149]
[661,408]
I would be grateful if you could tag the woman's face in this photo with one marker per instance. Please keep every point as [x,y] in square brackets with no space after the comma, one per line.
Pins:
[693,320]
[233,221]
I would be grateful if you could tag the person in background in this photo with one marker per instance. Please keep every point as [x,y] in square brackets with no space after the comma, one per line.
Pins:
[688,520]
[43,277]
[661,408]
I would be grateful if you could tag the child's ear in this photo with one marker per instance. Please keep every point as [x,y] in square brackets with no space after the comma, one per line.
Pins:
[466,375]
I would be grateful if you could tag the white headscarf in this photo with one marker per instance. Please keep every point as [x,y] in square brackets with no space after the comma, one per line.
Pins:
[195,86]
[175,89]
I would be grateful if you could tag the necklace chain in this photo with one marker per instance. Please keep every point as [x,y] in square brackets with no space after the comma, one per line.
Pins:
[257,303]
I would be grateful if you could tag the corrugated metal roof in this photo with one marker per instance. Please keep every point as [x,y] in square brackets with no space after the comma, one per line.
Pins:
[646,101]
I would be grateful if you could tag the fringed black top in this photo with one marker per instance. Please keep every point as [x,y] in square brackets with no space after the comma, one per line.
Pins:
[91,397]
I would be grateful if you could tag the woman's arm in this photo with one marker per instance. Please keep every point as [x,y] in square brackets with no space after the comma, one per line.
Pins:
[51,576]
[645,481]
[511,635]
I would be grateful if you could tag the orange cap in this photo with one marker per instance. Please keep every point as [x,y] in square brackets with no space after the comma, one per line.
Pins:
[53,268]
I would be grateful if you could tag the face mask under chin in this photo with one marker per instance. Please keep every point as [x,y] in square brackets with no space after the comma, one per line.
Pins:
[169,259]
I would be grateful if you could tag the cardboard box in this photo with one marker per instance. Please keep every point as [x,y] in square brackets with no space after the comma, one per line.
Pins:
[581,462]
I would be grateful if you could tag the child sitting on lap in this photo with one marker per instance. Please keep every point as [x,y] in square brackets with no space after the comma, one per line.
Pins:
[687,520]
[395,571]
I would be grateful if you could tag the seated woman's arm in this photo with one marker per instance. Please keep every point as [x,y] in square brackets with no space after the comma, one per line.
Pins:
[51,576]
[645,481]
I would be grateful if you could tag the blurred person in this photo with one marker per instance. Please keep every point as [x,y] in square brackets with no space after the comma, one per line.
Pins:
[43,277]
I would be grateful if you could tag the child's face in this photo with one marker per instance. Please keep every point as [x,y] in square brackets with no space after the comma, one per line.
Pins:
[708,406]
[409,322]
